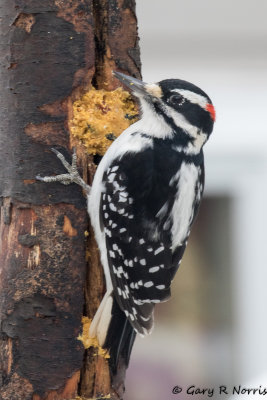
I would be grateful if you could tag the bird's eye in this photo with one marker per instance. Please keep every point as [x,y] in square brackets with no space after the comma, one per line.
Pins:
[176,100]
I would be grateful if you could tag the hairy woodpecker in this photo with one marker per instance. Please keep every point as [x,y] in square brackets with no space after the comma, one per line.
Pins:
[142,203]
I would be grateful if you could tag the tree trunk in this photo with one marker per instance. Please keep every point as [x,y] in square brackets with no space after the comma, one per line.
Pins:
[52,52]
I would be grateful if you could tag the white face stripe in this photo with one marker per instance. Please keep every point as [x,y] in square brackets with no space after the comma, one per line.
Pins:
[180,120]
[194,98]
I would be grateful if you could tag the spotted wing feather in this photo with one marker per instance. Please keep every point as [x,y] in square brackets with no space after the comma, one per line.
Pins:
[140,257]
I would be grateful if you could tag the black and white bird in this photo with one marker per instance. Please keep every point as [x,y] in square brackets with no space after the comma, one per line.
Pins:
[144,198]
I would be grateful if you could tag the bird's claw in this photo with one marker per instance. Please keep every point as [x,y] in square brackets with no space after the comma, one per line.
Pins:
[73,175]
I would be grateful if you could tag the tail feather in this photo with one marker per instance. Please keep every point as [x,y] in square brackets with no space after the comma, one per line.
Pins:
[113,331]
[101,320]
[120,338]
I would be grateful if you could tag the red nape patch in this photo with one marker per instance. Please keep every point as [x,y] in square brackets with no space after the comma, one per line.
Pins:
[210,108]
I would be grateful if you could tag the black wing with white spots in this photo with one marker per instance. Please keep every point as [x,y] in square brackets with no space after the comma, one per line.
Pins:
[141,259]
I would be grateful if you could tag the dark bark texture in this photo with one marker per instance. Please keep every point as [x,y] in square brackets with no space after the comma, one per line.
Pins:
[51,51]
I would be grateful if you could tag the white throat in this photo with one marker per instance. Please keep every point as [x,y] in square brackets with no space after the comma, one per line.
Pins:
[152,123]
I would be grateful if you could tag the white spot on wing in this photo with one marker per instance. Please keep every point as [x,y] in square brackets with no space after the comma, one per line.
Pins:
[119,271]
[111,177]
[153,269]
[148,284]
[158,250]
[112,207]
[122,199]
[160,287]
[126,276]
[112,254]
[140,302]
[107,232]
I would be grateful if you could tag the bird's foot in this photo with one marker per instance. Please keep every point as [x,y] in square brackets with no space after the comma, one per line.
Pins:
[72,176]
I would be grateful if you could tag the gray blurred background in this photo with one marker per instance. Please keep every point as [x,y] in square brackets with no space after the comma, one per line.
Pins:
[214,329]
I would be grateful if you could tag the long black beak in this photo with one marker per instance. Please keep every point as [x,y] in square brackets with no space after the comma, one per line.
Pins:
[135,85]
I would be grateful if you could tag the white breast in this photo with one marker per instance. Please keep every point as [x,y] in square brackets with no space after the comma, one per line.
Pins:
[183,208]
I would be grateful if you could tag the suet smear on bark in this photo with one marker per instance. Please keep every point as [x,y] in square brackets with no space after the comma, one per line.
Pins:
[100,116]
[89,341]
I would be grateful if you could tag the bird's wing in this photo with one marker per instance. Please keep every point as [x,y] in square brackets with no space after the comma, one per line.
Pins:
[139,254]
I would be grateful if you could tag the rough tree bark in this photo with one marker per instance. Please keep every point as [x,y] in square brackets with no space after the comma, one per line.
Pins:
[50,276]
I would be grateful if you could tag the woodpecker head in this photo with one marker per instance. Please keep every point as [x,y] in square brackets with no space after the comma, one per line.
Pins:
[181,109]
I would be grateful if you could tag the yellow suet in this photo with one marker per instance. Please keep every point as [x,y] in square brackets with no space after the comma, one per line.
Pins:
[101,116]
[89,341]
